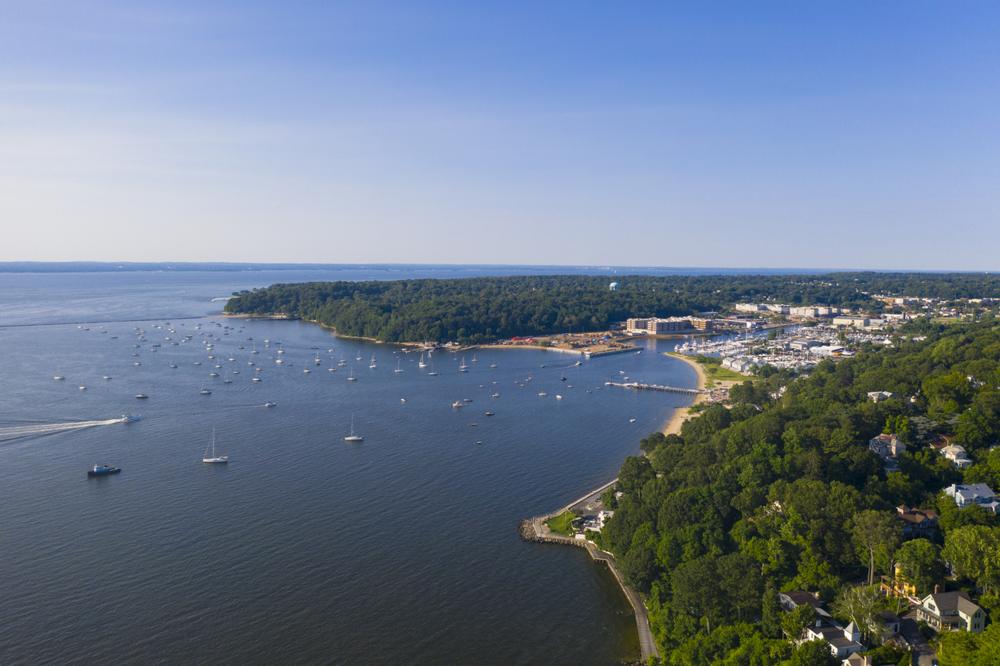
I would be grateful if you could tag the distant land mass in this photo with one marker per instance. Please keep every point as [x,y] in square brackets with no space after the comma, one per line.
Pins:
[486,309]
[480,269]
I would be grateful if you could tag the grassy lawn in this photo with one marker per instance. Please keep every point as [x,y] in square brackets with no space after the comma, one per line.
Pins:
[714,372]
[562,524]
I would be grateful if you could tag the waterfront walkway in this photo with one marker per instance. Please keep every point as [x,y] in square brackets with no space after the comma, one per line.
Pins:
[535,529]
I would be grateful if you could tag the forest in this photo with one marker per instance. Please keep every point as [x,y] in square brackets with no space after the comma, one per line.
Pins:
[778,491]
[479,310]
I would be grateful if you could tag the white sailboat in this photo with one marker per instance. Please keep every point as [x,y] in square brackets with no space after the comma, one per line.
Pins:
[350,375]
[421,364]
[353,437]
[463,367]
[398,368]
[371,365]
[214,459]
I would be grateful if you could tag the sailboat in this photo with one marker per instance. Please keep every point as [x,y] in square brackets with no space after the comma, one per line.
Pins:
[421,364]
[372,363]
[432,373]
[352,437]
[398,369]
[214,459]
[350,375]
[463,367]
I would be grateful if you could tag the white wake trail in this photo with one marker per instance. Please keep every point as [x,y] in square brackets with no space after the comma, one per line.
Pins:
[11,433]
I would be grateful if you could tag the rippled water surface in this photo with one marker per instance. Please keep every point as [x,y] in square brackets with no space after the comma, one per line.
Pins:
[304,548]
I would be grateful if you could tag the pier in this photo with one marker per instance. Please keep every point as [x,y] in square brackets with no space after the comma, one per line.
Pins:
[655,387]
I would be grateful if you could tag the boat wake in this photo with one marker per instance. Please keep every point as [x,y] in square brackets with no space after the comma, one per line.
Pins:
[13,433]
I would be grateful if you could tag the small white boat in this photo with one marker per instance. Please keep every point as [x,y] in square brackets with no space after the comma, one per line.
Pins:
[350,375]
[58,378]
[542,394]
[372,364]
[421,364]
[213,374]
[270,404]
[141,396]
[402,401]
[632,420]
[205,391]
[398,368]
[255,379]
[458,404]
[558,397]
[353,437]
[82,387]
[106,377]
[493,365]
[463,367]
[306,371]
[214,459]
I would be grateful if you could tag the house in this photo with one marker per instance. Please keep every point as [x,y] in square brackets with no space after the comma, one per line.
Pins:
[917,522]
[789,601]
[957,455]
[879,396]
[897,586]
[890,623]
[858,659]
[951,611]
[888,448]
[843,641]
[974,493]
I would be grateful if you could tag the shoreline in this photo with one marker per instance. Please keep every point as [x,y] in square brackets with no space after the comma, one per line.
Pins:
[535,530]
[672,426]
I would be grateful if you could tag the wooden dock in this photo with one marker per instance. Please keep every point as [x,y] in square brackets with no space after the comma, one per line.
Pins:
[637,386]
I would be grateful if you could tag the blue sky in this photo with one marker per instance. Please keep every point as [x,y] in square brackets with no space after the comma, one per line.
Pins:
[804,134]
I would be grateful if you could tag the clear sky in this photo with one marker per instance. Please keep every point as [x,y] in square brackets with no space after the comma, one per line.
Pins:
[810,134]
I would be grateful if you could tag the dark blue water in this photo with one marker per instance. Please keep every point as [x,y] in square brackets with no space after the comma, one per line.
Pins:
[303,549]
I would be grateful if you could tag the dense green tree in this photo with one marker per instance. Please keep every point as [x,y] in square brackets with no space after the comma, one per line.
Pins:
[974,552]
[876,535]
[920,563]
[813,653]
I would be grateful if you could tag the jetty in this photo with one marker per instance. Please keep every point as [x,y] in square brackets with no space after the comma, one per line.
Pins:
[535,530]
[637,386]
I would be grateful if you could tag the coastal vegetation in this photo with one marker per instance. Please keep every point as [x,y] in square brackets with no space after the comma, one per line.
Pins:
[562,524]
[486,309]
[714,372]
[779,491]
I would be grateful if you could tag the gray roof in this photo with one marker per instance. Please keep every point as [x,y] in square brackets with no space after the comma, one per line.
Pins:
[951,602]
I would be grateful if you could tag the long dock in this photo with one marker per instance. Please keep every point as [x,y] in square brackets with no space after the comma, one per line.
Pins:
[655,387]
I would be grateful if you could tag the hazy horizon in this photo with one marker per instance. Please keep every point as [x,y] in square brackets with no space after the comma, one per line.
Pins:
[767,135]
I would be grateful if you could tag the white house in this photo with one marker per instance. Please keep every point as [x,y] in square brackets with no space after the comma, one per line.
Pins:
[843,641]
[879,396]
[973,493]
[957,455]
[951,610]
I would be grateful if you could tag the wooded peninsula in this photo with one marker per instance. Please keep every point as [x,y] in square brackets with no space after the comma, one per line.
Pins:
[487,309]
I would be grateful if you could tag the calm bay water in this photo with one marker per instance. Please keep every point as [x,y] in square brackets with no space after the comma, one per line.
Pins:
[303,549]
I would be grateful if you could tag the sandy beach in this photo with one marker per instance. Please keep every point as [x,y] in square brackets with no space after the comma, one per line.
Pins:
[679,416]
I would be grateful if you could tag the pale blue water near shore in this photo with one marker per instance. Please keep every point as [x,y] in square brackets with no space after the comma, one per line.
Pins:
[304,549]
